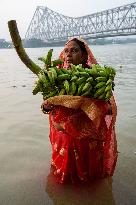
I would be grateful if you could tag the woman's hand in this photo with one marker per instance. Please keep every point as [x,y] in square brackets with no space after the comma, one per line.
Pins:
[46,107]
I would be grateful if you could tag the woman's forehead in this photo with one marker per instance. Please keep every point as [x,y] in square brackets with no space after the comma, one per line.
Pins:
[72,44]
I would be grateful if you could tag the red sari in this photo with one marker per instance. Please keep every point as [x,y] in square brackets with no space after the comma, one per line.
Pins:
[83,150]
[86,149]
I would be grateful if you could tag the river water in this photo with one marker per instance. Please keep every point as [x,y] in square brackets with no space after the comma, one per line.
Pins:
[25,150]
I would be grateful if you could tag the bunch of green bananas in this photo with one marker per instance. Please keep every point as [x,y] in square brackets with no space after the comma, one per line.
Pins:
[95,82]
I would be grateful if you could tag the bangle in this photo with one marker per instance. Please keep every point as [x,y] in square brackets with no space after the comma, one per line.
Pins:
[43,109]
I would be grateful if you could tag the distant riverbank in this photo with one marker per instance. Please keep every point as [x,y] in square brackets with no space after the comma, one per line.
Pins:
[38,43]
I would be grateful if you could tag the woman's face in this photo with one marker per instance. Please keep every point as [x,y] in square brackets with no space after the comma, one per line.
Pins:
[72,54]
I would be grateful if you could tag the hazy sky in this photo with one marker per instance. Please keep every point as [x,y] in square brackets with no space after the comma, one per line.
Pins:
[22,10]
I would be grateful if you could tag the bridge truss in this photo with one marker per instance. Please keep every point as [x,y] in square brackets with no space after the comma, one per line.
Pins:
[51,26]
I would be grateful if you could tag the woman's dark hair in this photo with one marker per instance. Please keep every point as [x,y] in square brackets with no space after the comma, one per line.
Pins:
[83,50]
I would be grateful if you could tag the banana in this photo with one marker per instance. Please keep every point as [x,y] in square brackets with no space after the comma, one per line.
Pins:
[73,88]
[66,86]
[102,96]
[54,73]
[101,79]
[80,88]
[100,84]
[90,79]
[56,62]
[108,95]
[84,74]
[87,93]
[76,73]
[64,77]
[58,71]
[43,80]
[80,68]
[48,59]
[93,71]
[111,71]
[99,92]
[108,88]
[86,87]
[103,73]
[109,81]
[46,81]
[73,68]
[62,91]
[51,77]
[65,71]
[99,69]
[51,94]
[81,80]
[81,74]
[74,78]
[87,70]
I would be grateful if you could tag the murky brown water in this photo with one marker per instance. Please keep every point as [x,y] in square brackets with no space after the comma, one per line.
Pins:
[25,149]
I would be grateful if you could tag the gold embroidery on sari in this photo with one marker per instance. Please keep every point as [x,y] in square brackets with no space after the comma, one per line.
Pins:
[62,152]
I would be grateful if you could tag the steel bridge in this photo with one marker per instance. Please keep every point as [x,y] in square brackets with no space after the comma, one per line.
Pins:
[51,26]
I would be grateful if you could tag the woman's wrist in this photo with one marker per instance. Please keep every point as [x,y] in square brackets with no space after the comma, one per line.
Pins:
[45,108]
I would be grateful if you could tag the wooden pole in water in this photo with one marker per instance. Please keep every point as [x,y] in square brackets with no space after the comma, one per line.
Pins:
[17,42]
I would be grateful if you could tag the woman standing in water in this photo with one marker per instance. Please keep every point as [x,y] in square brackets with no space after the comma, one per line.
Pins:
[82,149]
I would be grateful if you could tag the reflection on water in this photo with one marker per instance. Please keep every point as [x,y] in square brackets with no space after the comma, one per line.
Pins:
[95,193]
[25,150]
